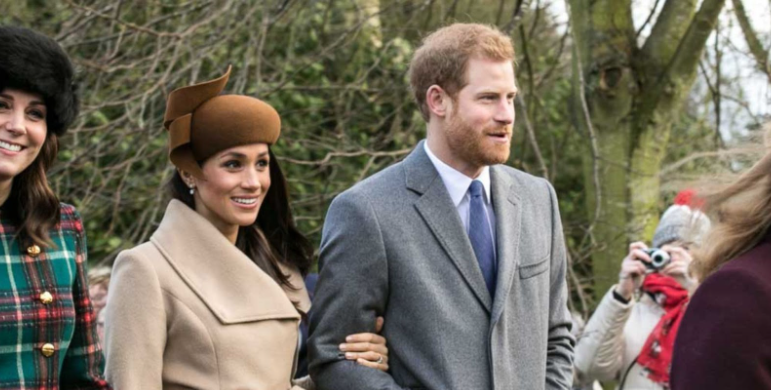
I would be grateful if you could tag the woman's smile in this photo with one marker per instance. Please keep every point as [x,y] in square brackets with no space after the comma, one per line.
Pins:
[10,147]
[247,202]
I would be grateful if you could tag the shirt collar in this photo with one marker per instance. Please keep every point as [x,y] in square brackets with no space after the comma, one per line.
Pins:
[457,184]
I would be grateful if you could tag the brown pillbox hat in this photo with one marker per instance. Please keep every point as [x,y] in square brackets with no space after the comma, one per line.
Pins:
[202,123]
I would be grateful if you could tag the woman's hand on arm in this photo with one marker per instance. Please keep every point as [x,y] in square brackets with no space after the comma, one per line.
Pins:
[367,349]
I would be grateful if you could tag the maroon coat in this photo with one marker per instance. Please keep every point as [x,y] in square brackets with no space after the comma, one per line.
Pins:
[724,341]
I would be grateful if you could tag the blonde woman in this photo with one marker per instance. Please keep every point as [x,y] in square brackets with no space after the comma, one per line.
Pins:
[724,340]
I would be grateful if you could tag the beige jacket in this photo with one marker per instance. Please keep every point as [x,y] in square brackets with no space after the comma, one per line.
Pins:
[612,340]
[189,310]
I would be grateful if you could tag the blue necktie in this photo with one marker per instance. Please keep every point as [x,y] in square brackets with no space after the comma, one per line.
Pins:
[481,237]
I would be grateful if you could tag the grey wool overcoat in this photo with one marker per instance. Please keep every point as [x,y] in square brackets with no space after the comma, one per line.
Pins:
[394,245]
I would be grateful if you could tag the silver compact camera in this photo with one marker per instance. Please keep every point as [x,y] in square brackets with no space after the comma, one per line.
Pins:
[659,259]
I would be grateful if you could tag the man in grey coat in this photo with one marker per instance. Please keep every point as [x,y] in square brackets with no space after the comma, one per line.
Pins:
[463,256]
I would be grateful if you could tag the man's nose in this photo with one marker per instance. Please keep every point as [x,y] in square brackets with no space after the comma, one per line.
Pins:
[505,112]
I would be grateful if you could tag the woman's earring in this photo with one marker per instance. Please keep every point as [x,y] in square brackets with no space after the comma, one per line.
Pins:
[192,190]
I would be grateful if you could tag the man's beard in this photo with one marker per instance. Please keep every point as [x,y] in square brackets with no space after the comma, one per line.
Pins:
[471,145]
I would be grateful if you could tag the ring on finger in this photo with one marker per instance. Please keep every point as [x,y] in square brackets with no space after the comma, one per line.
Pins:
[380,360]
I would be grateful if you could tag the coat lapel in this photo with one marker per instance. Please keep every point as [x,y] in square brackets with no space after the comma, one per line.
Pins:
[227,281]
[441,216]
[508,217]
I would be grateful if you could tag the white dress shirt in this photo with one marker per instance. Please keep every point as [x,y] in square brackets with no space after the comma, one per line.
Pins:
[458,184]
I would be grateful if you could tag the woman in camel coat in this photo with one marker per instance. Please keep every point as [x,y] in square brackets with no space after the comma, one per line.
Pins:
[214,300]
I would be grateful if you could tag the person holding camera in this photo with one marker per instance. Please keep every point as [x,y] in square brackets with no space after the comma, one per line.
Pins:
[631,335]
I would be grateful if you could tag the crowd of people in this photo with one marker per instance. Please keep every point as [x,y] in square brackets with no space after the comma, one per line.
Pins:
[446,270]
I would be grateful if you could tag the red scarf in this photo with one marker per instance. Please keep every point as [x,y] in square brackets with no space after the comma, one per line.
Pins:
[656,354]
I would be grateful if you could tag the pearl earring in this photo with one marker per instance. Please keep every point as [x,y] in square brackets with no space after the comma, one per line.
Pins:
[192,190]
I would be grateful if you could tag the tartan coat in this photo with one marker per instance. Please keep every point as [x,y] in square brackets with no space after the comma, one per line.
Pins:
[48,334]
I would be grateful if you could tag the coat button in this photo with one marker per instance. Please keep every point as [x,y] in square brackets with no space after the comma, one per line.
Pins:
[34,250]
[46,297]
[47,350]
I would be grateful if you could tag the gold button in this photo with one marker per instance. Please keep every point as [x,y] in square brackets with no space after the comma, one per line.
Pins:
[46,297]
[34,250]
[47,350]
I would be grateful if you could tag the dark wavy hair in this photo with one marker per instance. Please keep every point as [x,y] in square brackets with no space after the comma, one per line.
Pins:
[273,238]
[32,206]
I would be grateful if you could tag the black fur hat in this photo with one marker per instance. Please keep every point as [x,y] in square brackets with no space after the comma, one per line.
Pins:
[32,62]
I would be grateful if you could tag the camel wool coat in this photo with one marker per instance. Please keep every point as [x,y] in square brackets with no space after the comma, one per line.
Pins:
[188,310]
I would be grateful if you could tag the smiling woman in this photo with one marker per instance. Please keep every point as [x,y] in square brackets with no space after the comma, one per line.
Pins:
[23,115]
[49,337]
[214,300]
[230,197]
[239,181]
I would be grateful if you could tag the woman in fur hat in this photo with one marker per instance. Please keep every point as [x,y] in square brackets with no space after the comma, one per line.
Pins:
[214,300]
[48,338]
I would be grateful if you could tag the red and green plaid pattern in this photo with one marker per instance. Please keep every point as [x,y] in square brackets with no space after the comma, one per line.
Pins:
[26,324]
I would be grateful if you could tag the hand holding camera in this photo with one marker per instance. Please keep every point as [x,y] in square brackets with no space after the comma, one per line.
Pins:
[659,259]
[677,267]
[671,260]
[632,267]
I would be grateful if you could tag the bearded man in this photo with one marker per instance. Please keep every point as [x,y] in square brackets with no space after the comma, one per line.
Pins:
[462,255]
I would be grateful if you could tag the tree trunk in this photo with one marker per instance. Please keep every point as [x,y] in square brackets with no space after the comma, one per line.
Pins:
[604,90]
[626,98]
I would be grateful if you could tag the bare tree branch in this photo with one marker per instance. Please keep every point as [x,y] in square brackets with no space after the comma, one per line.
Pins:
[756,47]
[648,19]
[671,26]
[531,137]
[691,47]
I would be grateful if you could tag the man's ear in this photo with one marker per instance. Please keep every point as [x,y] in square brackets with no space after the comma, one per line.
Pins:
[438,101]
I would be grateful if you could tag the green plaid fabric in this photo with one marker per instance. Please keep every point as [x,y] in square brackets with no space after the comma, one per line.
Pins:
[27,324]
